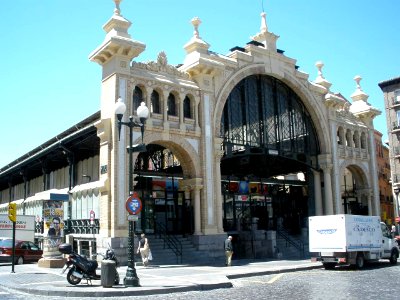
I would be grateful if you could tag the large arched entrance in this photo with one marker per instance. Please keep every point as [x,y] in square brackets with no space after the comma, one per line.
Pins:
[167,208]
[354,191]
[270,146]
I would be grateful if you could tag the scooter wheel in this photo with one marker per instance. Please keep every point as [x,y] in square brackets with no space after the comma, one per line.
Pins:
[71,278]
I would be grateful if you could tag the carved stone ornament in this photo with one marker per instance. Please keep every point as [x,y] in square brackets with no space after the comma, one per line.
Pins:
[160,66]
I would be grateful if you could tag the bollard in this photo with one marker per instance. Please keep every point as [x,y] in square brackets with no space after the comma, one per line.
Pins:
[108,273]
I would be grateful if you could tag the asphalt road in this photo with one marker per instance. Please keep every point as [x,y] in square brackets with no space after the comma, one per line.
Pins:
[376,281]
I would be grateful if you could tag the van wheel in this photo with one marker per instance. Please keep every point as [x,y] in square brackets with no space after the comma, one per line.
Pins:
[393,258]
[329,266]
[360,261]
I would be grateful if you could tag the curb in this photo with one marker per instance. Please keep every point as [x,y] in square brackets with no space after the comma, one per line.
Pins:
[121,293]
[276,271]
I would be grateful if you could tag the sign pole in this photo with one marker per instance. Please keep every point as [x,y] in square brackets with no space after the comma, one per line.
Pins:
[13,248]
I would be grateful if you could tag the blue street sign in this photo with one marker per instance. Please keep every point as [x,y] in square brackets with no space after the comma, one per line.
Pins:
[133,204]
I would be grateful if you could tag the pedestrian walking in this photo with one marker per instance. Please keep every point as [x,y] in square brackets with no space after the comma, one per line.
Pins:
[228,251]
[144,249]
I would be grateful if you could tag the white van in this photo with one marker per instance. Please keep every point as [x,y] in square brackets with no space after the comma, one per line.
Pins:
[350,240]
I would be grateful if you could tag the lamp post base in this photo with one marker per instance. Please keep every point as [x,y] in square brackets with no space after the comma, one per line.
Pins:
[131,278]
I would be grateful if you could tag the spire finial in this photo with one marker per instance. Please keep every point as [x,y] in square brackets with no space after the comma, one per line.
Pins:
[357,79]
[196,22]
[320,65]
[320,78]
[117,10]
[264,27]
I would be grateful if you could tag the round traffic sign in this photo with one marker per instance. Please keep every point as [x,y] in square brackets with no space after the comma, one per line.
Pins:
[133,204]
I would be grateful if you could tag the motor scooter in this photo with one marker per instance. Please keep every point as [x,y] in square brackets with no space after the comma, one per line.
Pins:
[80,267]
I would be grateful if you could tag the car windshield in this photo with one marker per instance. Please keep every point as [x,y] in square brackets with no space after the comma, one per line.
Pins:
[6,243]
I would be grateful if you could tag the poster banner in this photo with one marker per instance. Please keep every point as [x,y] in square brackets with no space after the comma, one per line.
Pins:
[53,215]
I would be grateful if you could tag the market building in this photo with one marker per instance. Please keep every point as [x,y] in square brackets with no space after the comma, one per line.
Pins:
[235,143]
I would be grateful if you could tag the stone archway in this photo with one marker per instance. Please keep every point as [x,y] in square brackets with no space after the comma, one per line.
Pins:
[355,190]
[313,105]
[162,173]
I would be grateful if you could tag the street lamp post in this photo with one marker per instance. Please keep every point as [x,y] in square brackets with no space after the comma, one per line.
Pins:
[131,278]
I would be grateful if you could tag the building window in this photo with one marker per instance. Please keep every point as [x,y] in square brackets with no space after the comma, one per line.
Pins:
[397,119]
[396,99]
[171,105]
[137,97]
[363,141]
[187,113]
[340,135]
[348,138]
[155,102]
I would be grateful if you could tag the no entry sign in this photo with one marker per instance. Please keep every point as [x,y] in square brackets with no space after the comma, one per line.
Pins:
[133,204]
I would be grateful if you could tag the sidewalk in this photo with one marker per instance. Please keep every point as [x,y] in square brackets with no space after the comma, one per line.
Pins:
[164,279]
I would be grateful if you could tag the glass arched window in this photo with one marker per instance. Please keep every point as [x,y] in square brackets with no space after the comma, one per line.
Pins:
[171,105]
[137,97]
[187,112]
[262,112]
[155,102]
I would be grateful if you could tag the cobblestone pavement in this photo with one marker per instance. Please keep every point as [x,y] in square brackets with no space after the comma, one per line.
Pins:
[376,281]
[154,280]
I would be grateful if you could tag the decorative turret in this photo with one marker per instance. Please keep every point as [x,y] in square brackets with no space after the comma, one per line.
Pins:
[196,44]
[264,36]
[331,100]
[320,78]
[360,107]
[118,42]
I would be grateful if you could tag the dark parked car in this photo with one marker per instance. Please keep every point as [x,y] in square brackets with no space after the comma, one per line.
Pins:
[25,251]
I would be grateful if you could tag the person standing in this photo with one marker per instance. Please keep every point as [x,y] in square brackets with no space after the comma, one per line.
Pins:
[144,249]
[228,251]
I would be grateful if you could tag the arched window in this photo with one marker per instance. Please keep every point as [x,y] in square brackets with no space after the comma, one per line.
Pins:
[340,136]
[137,97]
[356,139]
[363,141]
[187,112]
[348,138]
[171,105]
[155,102]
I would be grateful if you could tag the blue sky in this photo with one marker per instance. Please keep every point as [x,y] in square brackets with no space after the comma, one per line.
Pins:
[48,84]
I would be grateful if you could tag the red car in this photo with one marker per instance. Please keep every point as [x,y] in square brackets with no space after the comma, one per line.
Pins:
[25,251]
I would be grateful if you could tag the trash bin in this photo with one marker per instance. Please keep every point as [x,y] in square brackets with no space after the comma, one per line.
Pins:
[107,273]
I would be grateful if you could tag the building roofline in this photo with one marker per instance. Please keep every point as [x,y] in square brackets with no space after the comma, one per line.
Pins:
[389,82]
[75,128]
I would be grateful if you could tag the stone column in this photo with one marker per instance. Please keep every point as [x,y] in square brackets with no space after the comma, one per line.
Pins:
[196,113]
[328,203]
[218,153]
[317,193]
[165,109]
[180,112]
[197,210]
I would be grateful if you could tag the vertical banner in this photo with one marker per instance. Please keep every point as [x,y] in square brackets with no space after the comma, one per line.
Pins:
[53,214]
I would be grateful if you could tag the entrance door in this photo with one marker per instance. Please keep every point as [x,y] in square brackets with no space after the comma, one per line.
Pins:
[168,213]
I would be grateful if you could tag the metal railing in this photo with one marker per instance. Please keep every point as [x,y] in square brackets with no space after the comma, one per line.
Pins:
[170,241]
[298,244]
[82,226]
